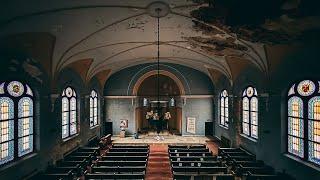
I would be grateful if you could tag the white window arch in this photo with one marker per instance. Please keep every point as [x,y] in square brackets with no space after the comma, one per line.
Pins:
[93,108]
[69,112]
[224,109]
[250,112]
[16,121]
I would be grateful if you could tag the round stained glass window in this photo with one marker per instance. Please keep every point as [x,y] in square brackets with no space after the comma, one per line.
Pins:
[306,88]
[250,91]
[68,92]
[15,88]
[93,94]
[224,93]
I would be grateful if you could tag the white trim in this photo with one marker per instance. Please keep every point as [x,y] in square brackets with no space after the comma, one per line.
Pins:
[197,96]
[182,96]
[193,135]
[226,128]
[248,137]
[120,97]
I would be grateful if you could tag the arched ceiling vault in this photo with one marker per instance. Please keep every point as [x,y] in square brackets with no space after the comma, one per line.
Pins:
[112,35]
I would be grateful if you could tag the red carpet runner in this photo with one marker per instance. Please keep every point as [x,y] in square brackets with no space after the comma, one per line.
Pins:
[158,167]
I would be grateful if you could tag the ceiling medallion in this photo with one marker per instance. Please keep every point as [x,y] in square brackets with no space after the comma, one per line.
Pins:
[158,9]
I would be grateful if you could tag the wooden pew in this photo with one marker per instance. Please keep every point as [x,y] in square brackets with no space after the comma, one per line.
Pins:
[119,169]
[197,146]
[78,158]
[199,170]
[121,163]
[173,154]
[105,141]
[124,158]
[130,146]
[114,176]
[194,158]
[129,150]
[127,154]
[176,150]
[197,163]
[179,176]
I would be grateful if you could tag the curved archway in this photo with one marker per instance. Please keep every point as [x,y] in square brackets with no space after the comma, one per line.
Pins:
[170,87]
[155,72]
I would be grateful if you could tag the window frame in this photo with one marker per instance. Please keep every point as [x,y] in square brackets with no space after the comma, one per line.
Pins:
[93,108]
[68,124]
[293,92]
[250,111]
[224,107]
[16,119]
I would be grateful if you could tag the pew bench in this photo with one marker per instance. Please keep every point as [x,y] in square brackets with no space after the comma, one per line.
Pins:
[121,163]
[197,163]
[173,154]
[118,169]
[194,158]
[200,170]
[127,154]
[146,150]
[124,158]
[130,146]
[178,150]
[97,176]
[179,176]
[187,146]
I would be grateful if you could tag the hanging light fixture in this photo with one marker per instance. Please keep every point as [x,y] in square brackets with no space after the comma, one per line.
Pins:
[158,11]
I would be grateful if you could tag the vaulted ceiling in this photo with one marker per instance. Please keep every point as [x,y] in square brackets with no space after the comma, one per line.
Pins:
[103,36]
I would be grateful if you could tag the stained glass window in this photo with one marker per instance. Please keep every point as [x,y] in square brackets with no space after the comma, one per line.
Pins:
[93,108]
[69,113]
[314,129]
[224,109]
[250,112]
[304,142]
[19,142]
[295,126]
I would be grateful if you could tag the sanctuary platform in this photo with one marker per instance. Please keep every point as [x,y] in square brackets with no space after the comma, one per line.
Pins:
[167,139]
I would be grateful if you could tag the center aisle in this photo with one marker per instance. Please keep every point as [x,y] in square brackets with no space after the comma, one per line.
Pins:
[158,167]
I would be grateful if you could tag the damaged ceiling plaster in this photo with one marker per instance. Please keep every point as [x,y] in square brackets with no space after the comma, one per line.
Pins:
[203,34]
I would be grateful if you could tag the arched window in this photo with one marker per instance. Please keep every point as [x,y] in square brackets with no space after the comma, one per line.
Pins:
[69,112]
[16,121]
[250,112]
[304,121]
[145,102]
[93,108]
[172,102]
[224,109]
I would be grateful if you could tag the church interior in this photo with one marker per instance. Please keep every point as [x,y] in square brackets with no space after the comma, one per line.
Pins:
[160,90]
